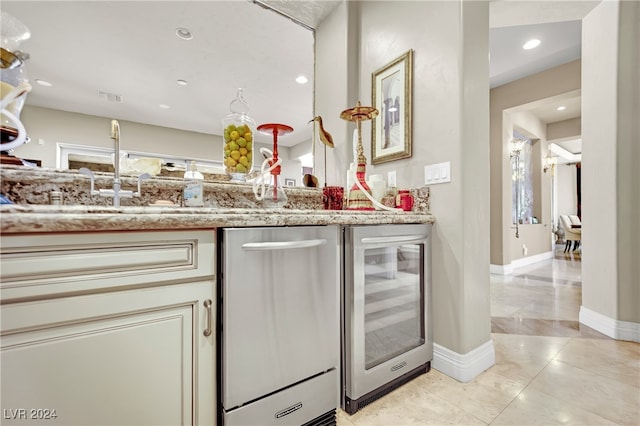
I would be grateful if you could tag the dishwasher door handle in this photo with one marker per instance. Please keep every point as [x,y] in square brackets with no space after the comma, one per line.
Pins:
[283,245]
[395,239]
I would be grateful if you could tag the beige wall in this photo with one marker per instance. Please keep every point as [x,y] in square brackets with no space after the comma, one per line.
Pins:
[450,110]
[55,126]
[506,101]
[335,56]
[47,127]
[628,160]
[565,129]
[611,197]
[533,239]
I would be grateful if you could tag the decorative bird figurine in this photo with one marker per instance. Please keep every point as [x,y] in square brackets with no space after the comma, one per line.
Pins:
[325,137]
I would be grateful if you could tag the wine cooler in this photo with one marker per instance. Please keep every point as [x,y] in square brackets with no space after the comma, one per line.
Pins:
[386,325]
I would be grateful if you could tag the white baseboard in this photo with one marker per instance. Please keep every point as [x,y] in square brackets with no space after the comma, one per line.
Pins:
[518,263]
[501,269]
[464,367]
[619,330]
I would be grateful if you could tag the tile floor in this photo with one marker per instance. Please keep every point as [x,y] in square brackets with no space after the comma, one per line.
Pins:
[549,368]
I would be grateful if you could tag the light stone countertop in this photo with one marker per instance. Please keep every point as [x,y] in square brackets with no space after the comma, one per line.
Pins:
[227,204]
[46,218]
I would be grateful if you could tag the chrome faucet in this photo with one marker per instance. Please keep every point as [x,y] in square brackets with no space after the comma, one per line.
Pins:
[115,135]
[116,193]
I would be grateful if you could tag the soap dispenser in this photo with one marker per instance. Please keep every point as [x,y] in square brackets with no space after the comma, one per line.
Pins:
[193,187]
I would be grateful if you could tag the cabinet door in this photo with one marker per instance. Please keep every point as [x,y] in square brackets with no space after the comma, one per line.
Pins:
[136,357]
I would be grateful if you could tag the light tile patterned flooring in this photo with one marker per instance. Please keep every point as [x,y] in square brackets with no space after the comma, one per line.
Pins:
[549,369]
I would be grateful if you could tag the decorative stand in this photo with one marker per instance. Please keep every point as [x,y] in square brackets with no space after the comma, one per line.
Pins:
[275,194]
[358,200]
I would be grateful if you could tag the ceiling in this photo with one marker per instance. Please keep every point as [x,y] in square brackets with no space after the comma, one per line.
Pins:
[130,49]
[558,25]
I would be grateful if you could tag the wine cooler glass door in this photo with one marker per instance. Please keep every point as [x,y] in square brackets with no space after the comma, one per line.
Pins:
[393,300]
[386,305]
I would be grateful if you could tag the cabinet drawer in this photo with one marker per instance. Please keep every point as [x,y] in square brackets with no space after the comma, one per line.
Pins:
[47,265]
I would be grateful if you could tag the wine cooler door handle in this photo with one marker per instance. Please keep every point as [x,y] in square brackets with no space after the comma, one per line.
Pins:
[395,239]
[283,245]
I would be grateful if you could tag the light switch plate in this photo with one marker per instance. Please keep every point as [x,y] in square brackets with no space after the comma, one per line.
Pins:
[391,178]
[437,173]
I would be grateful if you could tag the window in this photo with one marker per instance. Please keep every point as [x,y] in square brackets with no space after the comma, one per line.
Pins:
[68,153]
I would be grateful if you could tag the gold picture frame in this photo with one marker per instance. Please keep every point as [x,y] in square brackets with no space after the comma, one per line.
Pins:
[391,93]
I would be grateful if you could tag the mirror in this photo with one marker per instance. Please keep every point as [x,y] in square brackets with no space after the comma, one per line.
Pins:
[130,61]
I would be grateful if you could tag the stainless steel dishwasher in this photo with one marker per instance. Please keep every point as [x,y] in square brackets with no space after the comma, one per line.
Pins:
[279,333]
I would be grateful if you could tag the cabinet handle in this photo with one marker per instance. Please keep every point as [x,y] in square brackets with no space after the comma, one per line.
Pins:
[394,239]
[207,305]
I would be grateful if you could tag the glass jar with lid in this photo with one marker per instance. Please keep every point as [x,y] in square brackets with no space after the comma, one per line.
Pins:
[238,131]
[14,84]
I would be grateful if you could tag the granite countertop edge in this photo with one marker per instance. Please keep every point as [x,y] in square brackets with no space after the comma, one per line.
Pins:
[16,219]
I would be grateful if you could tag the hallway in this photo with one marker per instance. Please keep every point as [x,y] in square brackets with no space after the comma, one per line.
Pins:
[542,299]
[549,369]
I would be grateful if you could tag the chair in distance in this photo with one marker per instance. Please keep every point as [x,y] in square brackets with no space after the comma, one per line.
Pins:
[572,231]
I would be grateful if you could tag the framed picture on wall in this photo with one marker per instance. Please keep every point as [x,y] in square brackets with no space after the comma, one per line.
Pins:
[391,91]
[289,182]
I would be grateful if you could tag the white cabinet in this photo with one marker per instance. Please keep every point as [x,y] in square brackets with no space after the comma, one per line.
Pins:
[108,350]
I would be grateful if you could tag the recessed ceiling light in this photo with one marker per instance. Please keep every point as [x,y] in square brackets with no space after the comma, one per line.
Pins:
[182,82]
[164,106]
[301,79]
[43,82]
[184,33]
[561,108]
[531,44]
